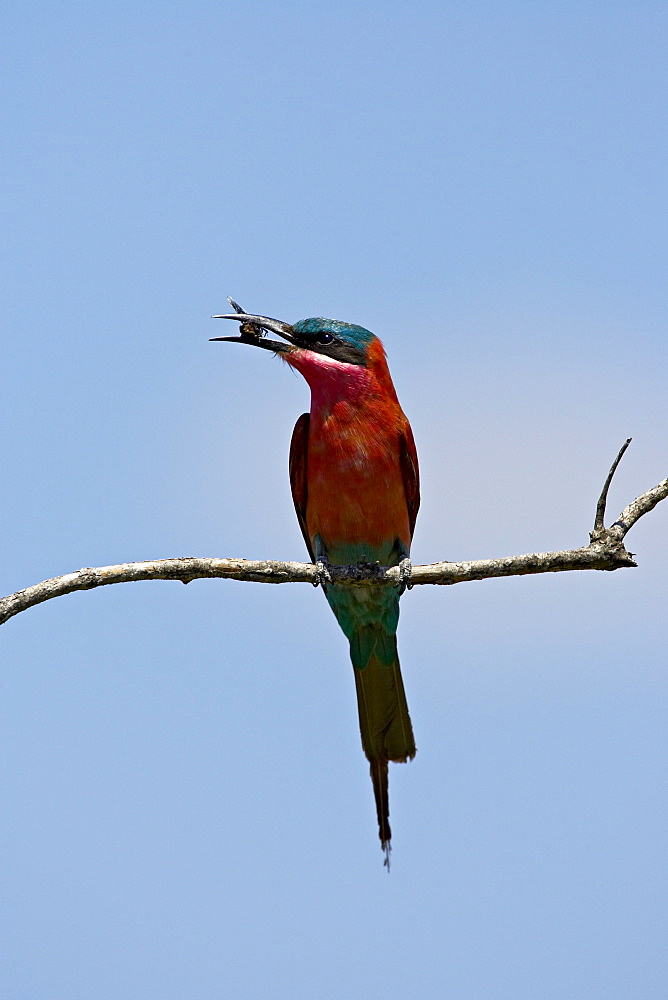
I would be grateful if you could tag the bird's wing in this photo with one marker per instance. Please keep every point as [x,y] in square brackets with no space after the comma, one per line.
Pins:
[298,475]
[410,474]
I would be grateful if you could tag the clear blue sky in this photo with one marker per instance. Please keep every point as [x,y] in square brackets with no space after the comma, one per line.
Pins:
[186,809]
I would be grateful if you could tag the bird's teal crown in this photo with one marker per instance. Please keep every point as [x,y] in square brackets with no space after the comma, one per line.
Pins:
[357,336]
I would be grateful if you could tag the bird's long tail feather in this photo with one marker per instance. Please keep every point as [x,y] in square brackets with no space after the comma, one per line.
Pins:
[385,725]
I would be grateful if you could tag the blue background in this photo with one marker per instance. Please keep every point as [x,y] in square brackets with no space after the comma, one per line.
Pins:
[186,808]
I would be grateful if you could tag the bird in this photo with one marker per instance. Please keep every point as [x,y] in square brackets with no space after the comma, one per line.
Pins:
[355,486]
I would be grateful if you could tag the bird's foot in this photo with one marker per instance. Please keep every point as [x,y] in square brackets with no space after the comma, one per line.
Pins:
[405,573]
[322,574]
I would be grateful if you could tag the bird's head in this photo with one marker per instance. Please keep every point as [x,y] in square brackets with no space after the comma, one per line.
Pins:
[336,358]
[330,338]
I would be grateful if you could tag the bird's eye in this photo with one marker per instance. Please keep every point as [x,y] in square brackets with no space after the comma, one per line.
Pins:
[324,338]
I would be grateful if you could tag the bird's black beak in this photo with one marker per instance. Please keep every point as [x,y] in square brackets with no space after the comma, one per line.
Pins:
[252,331]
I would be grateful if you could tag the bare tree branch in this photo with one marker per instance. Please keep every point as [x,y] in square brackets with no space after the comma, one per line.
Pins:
[605,552]
[635,510]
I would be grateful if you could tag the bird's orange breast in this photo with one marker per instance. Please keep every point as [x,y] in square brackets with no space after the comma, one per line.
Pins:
[356,494]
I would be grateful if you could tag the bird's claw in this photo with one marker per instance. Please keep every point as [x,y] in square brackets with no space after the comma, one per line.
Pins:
[405,573]
[322,574]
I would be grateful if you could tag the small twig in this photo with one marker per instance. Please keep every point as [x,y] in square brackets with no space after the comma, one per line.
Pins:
[603,499]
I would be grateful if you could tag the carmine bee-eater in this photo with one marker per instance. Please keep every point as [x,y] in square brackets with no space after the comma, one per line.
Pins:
[355,486]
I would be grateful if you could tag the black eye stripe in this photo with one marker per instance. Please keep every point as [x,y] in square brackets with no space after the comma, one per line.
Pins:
[332,346]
